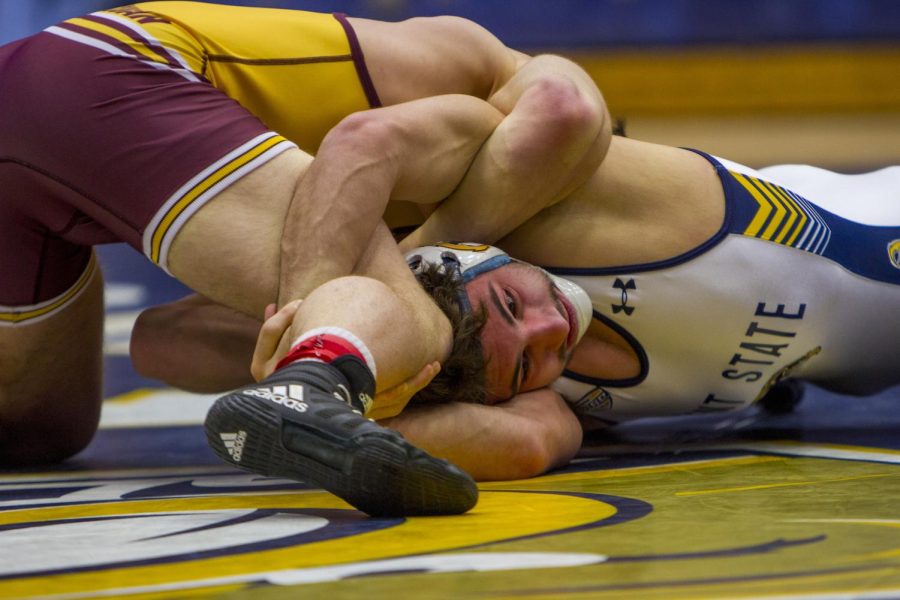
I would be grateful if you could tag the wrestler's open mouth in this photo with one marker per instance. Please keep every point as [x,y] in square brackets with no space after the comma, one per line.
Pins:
[568,311]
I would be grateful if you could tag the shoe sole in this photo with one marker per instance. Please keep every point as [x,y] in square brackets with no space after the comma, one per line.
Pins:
[378,473]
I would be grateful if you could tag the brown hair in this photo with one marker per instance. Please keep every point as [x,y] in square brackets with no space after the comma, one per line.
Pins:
[462,375]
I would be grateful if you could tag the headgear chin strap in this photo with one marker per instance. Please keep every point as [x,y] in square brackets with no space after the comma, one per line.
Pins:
[470,260]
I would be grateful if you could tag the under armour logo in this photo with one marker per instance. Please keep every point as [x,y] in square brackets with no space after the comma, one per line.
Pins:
[623,287]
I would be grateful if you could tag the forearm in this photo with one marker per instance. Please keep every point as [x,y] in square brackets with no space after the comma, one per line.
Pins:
[195,345]
[417,151]
[523,437]
[554,137]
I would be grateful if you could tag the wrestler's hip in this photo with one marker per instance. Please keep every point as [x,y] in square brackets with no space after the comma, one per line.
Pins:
[98,147]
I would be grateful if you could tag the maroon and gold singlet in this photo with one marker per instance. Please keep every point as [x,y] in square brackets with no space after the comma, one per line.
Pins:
[119,125]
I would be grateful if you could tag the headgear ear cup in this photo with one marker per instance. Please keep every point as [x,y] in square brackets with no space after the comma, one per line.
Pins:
[470,260]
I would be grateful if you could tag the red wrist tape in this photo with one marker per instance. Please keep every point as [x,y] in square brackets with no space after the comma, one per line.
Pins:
[324,347]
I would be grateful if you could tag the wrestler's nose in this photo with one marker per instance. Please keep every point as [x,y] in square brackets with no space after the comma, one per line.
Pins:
[546,331]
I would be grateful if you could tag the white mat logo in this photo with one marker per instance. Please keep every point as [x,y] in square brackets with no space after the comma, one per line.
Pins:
[289,396]
[99,536]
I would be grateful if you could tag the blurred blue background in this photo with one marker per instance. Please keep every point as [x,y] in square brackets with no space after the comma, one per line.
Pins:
[575,23]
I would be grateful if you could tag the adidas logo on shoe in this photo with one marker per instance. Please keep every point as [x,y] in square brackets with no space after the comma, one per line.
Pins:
[342,393]
[234,443]
[366,401]
[289,396]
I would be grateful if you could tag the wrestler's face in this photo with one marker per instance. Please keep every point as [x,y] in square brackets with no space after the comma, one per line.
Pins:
[530,331]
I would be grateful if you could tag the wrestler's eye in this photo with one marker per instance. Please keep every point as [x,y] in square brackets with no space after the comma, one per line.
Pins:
[511,305]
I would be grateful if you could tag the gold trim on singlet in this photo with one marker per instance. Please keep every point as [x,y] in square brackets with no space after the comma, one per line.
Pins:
[188,199]
[118,36]
[18,315]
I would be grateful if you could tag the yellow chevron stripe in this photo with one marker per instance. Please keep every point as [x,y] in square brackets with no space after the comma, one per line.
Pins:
[780,210]
[204,185]
[104,30]
[804,218]
[765,209]
[798,215]
[776,194]
[791,208]
[18,317]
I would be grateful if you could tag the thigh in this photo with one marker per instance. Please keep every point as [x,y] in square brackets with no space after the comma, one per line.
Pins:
[50,373]
[230,249]
[121,147]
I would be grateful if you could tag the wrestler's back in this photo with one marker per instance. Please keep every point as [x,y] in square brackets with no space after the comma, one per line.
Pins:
[299,72]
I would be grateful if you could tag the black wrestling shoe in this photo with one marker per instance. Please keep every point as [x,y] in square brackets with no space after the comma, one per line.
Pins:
[298,423]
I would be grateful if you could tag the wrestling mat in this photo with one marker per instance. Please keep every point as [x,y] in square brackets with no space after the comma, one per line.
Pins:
[747,505]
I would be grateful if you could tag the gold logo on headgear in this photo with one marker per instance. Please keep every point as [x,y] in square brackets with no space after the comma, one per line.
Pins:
[463,246]
[893,249]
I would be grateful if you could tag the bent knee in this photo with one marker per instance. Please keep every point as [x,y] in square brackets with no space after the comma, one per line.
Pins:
[45,436]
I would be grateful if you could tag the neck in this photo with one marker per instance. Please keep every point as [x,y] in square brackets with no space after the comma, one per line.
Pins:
[604,354]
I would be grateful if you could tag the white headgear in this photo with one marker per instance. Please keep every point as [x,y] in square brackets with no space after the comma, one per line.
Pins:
[471,260]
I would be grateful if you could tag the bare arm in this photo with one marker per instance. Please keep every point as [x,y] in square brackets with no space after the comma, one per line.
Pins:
[194,344]
[417,151]
[523,437]
[431,72]
[555,135]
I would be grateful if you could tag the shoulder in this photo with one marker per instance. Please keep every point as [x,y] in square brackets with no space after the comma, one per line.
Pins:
[434,55]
